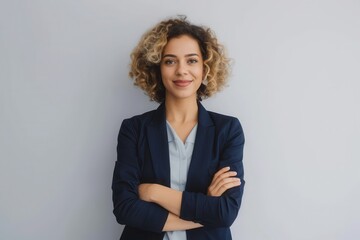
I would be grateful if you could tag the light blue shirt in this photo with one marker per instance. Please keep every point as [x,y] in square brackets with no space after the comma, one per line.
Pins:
[180,158]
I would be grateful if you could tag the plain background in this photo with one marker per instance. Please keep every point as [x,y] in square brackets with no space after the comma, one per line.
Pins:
[64,91]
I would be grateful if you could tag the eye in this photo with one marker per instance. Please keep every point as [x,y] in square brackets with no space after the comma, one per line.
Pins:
[169,61]
[192,60]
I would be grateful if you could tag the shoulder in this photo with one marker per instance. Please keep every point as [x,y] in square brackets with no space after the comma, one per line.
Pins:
[138,122]
[141,118]
[227,127]
[222,120]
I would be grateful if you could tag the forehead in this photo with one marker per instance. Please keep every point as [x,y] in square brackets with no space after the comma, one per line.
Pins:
[182,45]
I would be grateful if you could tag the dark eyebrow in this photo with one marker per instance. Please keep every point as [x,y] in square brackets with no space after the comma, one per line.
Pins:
[187,55]
[191,55]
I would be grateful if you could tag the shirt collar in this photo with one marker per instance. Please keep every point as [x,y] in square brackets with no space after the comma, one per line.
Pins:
[171,134]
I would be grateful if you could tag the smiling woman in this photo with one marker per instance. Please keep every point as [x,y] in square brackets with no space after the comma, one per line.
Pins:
[179,168]
[182,68]
[148,54]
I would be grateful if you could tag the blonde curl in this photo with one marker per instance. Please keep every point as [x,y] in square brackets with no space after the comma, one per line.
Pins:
[147,55]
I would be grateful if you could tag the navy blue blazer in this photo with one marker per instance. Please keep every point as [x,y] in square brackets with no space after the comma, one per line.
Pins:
[143,157]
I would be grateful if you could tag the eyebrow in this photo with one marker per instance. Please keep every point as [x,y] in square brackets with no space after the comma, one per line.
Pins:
[187,55]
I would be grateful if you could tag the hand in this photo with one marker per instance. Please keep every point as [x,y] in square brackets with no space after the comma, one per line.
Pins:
[223,180]
[145,191]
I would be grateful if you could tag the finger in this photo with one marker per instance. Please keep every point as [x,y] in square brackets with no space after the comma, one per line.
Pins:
[225,175]
[227,186]
[221,171]
[216,183]
[216,186]
[226,182]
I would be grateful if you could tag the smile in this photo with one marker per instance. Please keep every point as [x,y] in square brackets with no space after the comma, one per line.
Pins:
[182,83]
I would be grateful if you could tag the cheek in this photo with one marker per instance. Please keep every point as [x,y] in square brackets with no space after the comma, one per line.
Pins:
[200,73]
[165,72]
[165,76]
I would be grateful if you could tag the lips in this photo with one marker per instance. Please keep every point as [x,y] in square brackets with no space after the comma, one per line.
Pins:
[182,83]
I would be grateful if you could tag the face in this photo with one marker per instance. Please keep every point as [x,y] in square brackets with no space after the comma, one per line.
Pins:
[182,68]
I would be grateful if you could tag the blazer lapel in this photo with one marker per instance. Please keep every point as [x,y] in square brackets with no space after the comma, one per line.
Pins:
[159,147]
[203,148]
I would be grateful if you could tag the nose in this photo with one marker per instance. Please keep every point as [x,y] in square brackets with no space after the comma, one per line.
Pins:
[181,69]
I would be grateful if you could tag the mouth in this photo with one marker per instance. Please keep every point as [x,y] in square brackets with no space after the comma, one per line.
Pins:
[182,83]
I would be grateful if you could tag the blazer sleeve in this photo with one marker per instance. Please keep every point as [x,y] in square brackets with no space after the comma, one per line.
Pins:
[128,208]
[219,211]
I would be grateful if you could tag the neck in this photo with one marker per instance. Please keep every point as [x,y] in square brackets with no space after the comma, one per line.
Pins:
[181,111]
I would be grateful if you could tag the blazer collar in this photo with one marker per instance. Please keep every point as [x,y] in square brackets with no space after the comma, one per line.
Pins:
[159,118]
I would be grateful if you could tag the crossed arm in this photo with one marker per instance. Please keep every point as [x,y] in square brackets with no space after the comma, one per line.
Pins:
[170,199]
[136,205]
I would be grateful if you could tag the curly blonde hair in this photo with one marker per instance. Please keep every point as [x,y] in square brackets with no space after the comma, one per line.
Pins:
[147,55]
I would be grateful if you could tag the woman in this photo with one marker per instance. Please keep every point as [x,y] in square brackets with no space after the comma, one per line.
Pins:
[179,171]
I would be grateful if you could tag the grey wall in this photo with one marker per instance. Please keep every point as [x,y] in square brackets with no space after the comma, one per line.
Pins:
[64,91]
